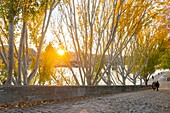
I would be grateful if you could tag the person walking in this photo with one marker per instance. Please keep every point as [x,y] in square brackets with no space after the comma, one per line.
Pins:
[154,86]
[157,85]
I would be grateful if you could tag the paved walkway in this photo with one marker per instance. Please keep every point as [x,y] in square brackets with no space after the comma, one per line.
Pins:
[147,101]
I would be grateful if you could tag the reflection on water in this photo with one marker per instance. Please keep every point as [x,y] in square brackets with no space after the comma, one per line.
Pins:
[65,77]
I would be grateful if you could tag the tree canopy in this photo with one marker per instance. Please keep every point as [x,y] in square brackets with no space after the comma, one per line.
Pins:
[107,41]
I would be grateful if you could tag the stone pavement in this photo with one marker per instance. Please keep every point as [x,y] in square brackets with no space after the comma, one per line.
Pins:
[146,101]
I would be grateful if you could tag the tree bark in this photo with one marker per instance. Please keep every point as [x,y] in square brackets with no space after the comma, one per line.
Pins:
[10,53]
[21,53]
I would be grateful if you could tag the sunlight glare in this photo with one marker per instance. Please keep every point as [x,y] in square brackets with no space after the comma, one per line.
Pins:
[60,52]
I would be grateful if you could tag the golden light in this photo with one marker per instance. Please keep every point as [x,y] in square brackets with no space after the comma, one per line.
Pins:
[60,51]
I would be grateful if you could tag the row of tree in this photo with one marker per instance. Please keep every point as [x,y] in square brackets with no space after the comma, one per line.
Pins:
[113,40]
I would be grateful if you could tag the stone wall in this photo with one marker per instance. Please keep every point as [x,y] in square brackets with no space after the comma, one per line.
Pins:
[14,94]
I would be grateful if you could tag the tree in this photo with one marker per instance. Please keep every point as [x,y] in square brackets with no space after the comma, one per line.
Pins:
[163,57]
[11,13]
[46,69]
[99,28]
[22,12]
[45,25]
[101,32]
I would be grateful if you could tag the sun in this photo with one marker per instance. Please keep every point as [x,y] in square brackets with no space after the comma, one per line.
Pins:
[60,52]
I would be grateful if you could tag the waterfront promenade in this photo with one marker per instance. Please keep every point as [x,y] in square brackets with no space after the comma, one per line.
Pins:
[146,101]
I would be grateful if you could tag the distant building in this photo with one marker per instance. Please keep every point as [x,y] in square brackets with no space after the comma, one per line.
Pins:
[165,77]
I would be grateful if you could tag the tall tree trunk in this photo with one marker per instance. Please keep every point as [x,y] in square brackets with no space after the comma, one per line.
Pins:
[10,53]
[109,76]
[88,78]
[21,53]
[146,81]
[25,59]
